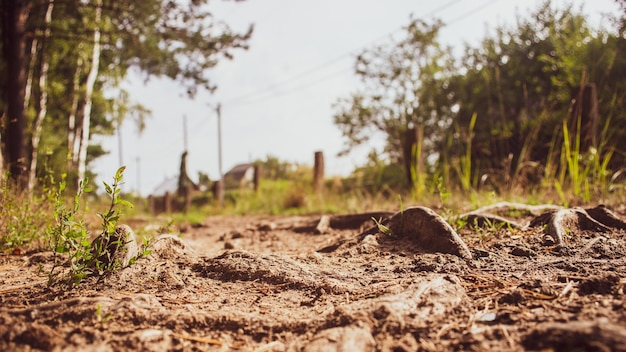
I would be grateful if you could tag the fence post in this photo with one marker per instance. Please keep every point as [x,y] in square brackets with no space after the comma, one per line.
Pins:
[167,202]
[152,204]
[318,171]
[219,192]
[257,176]
[188,191]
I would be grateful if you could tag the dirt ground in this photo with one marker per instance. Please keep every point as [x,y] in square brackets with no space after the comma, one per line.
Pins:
[513,280]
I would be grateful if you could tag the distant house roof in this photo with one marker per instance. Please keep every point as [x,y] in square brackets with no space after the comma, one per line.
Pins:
[239,171]
[239,176]
[170,185]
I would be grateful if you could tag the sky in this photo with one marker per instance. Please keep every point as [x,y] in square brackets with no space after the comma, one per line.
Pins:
[277,97]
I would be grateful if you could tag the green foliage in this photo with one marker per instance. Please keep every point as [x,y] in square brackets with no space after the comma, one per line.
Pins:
[179,40]
[109,239]
[275,169]
[399,81]
[494,118]
[466,160]
[22,217]
[70,237]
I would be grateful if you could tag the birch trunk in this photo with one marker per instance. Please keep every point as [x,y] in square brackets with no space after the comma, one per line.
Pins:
[43,101]
[73,129]
[31,72]
[91,81]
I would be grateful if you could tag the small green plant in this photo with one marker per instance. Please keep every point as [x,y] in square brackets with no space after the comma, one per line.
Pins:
[466,160]
[444,195]
[488,229]
[102,319]
[70,236]
[382,227]
[418,176]
[110,240]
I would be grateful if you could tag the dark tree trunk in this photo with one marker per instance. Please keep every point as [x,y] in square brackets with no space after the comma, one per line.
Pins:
[13,14]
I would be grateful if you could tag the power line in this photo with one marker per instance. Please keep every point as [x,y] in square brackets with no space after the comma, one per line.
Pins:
[258,95]
[473,11]
[287,91]
[330,62]
[245,99]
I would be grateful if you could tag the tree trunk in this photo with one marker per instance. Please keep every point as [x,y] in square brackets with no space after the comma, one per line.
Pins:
[43,100]
[28,89]
[89,86]
[73,129]
[14,14]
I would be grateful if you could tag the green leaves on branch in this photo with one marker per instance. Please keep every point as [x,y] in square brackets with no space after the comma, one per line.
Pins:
[519,83]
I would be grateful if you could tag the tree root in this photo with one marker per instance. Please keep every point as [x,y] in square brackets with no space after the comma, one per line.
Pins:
[424,228]
[558,222]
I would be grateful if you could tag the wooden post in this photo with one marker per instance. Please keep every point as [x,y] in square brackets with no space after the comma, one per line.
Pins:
[257,176]
[318,171]
[220,186]
[152,202]
[219,192]
[187,206]
[585,107]
[167,202]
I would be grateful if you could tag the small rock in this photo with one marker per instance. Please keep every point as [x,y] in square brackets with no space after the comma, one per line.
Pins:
[118,247]
[323,226]
[430,231]
[270,226]
[342,339]
[523,252]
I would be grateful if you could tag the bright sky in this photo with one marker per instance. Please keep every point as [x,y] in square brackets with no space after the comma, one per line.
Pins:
[277,96]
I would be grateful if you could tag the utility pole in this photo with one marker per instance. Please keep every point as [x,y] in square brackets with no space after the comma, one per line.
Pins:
[138,176]
[119,145]
[185,133]
[220,192]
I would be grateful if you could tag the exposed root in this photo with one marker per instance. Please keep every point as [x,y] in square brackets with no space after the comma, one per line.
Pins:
[484,220]
[562,222]
[558,222]
[531,209]
[606,217]
[485,216]
[424,228]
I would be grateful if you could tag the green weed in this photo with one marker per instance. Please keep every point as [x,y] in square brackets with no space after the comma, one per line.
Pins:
[22,217]
[382,227]
[466,160]
[418,176]
[70,236]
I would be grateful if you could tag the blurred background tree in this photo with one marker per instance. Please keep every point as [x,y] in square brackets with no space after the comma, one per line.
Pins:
[63,63]
[495,113]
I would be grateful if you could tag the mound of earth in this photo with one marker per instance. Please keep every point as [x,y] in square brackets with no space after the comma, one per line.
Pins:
[514,277]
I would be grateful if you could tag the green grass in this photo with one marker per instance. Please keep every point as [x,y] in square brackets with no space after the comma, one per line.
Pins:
[51,220]
[75,255]
[22,218]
